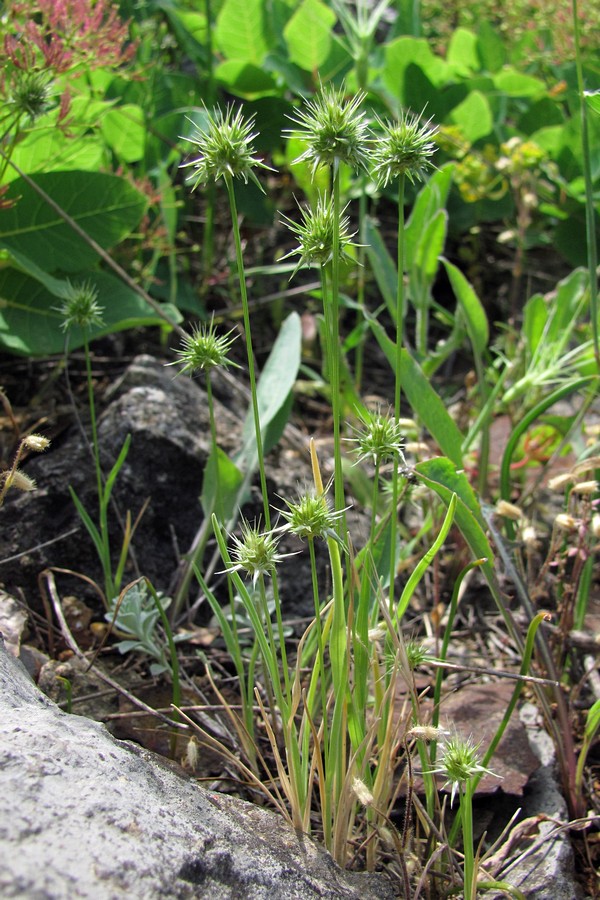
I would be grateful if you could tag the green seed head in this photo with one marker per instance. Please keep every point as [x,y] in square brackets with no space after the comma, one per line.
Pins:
[80,306]
[404,147]
[310,516]
[31,93]
[255,552]
[378,438]
[315,235]
[460,761]
[224,148]
[204,350]
[333,128]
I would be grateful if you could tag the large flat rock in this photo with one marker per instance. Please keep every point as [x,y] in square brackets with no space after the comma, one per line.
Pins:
[84,815]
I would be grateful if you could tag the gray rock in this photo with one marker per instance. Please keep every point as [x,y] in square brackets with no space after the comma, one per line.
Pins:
[84,815]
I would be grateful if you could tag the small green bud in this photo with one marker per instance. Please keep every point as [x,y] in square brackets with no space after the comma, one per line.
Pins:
[80,306]
[224,148]
[333,128]
[204,350]
[404,147]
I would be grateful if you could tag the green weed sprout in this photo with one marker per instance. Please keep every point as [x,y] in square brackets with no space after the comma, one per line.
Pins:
[402,150]
[80,310]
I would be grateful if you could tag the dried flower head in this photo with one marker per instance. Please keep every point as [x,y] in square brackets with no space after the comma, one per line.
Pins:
[509,510]
[334,129]
[19,481]
[80,306]
[224,148]
[459,762]
[404,147]
[36,442]
[426,733]
[204,350]
[378,438]
[362,792]
[315,234]
[255,552]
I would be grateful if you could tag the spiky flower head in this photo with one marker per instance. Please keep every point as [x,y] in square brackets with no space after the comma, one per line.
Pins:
[460,761]
[315,234]
[310,516]
[80,306]
[378,437]
[31,93]
[334,129]
[405,147]
[204,350]
[255,552]
[416,654]
[224,148]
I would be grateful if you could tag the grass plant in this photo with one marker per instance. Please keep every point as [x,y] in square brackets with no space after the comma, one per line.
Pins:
[319,729]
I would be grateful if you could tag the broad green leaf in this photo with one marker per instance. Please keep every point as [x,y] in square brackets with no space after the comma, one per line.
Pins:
[426,404]
[241,30]
[50,151]
[106,207]
[491,47]
[476,319]
[308,34]
[124,130]
[220,486]
[462,55]
[409,51]
[517,84]
[273,390]
[473,116]
[244,78]
[30,324]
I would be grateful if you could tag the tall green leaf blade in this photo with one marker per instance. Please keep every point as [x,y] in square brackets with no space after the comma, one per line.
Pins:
[105,206]
[442,475]
[431,198]
[431,245]
[476,319]
[273,391]
[425,402]
[220,486]
[382,264]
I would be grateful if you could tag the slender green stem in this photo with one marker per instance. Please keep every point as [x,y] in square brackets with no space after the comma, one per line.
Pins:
[466,816]
[335,352]
[398,384]
[360,287]
[249,350]
[102,503]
